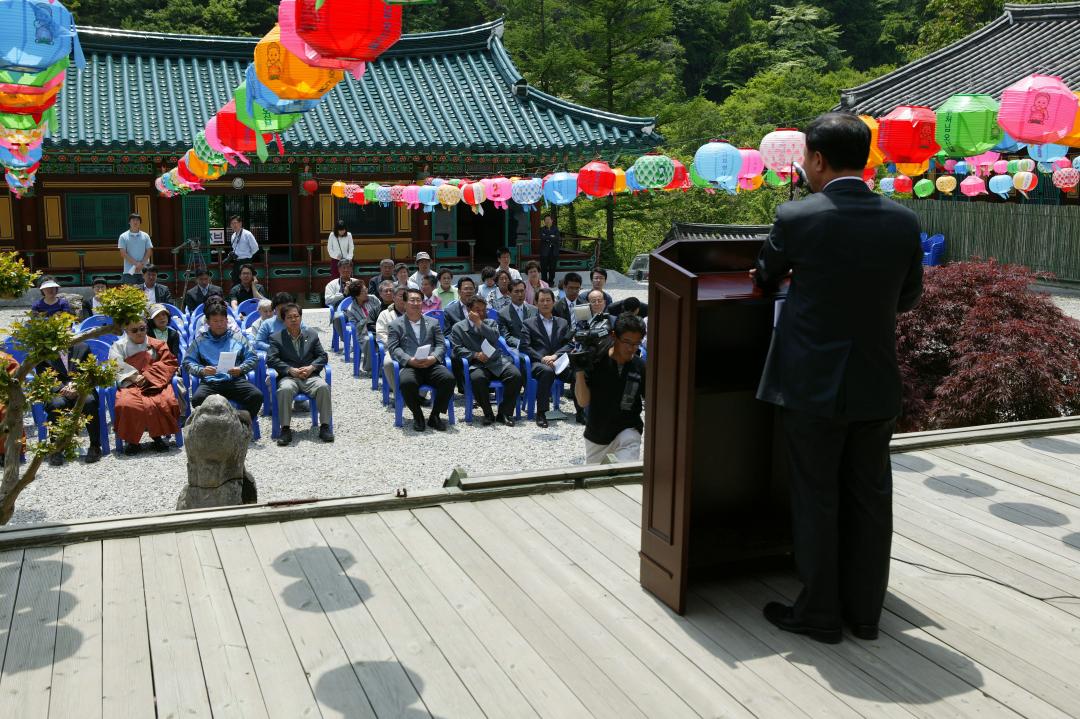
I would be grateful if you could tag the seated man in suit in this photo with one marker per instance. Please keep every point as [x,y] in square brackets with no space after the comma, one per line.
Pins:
[299,358]
[155,294]
[386,274]
[632,305]
[599,279]
[455,312]
[570,297]
[546,337]
[382,330]
[406,334]
[598,308]
[334,292]
[512,317]
[467,339]
[66,368]
[273,324]
[204,354]
[197,295]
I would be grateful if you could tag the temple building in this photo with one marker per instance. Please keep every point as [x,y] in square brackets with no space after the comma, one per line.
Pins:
[447,104]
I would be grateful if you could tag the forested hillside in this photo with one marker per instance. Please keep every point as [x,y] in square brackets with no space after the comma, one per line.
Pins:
[706,68]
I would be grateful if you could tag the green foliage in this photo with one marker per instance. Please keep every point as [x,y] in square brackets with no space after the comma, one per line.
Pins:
[43,338]
[15,277]
[124,304]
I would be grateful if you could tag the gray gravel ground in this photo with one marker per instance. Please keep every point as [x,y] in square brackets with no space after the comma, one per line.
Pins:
[369,456]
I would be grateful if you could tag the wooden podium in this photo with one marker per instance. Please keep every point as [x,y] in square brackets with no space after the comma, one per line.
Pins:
[715,494]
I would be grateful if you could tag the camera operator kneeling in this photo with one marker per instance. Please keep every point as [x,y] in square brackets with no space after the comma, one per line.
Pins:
[613,390]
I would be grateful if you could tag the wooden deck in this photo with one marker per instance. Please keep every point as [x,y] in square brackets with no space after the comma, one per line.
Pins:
[525,606]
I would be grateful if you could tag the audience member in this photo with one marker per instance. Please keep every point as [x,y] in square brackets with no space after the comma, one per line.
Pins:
[145,401]
[275,323]
[401,276]
[334,292]
[614,391]
[445,290]
[363,313]
[382,330]
[266,312]
[66,367]
[467,339]
[597,308]
[512,317]
[204,355]
[155,294]
[51,302]
[212,300]
[406,335]
[427,289]
[386,272]
[158,328]
[299,359]
[503,256]
[599,279]
[532,281]
[546,337]
[500,298]
[423,269]
[385,293]
[98,286]
[632,305]
[247,288]
[487,284]
[570,297]
[203,289]
[453,313]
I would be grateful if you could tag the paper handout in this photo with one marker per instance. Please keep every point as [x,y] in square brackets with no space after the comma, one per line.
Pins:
[226,361]
[488,349]
[561,363]
[422,352]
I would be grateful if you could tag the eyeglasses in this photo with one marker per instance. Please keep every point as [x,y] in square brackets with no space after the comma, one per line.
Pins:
[137,330]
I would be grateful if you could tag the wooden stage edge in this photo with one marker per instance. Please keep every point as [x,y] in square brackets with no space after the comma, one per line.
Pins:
[463,488]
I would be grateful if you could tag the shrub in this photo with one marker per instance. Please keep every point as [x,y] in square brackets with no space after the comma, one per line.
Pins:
[983,347]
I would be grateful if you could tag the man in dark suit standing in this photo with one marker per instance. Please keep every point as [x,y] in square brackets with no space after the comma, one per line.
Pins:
[197,295]
[550,241]
[298,357]
[467,339]
[405,335]
[855,261]
[546,337]
[512,317]
[66,397]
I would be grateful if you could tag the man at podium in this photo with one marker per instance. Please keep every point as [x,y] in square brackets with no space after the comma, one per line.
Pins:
[855,261]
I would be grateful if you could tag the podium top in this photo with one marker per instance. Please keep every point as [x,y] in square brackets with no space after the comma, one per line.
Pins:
[700,257]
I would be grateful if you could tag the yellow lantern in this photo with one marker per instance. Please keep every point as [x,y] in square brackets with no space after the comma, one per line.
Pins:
[1073,138]
[338,189]
[913,169]
[202,169]
[946,184]
[620,180]
[287,75]
[877,156]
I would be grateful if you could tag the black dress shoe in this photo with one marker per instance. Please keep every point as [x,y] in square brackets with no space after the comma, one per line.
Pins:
[579,417]
[132,448]
[488,420]
[93,454]
[437,424]
[56,459]
[868,632]
[158,444]
[781,616]
[541,420]
[503,419]
[285,439]
[325,433]
[418,424]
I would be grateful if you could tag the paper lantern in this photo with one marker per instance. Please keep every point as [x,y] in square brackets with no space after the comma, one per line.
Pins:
[782,148]
[716,159]
[749,184]
[397,193]
[202,169]
[561,188]
[777,179]
[384,195]
[11,160]
[311,186]
[1066,178]
[596,179]
[448,195]
[37,34]
[261,120]
[876,156]
[528,193]
[356,30]
[259,93]
[28,96]
[1061,162]
[1001,167]
[1001,185]
[913,169]
[752,162]
[37,78]
[924,188]
[946,184]
[972,186]
[680,178]
[620,180]
[907,134]
[1025,164]
[961,168]
[888,185]
[631,181]
[410,196]
[499,191]
[967,125]
[287,75]
[1008,144]
[653,171]
[1038,109]
[1025,181]
[233,134]
[902,183]
[371,192]
[206,153]
[1047,152]
[338,189]
[296,45]
[473,195]
[429,197]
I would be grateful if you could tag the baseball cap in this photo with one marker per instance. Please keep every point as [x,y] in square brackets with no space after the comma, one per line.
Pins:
[422,256]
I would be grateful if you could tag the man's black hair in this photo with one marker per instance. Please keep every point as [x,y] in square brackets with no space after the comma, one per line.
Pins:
[237,218]
[413,291]
[445,271]
[629,323]
[476,299]
[502,251]
[841,138]
[287,308]
[282,298]
[202,271]
[149,268]
[428,278]
[246,266]
[134,216]
[546,291]
[486,273]
[463,280]
[630,304]
[515,283]
[571,277]
[215,309]
[599,269]
[99,281]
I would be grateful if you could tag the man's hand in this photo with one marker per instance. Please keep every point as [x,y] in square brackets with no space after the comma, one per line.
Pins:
[68,391]
[305,372]
[209,371]
[236,372]
[137,379]
[139,266]
[549,360]
[424,363]
[480,357]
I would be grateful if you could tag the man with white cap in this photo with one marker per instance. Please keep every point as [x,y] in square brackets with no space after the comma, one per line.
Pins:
[51,302]
[423,267]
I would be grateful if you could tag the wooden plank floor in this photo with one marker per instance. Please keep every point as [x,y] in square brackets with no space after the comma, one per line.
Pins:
[529,606]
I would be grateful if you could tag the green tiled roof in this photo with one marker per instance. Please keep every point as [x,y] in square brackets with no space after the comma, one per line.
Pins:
[455,91]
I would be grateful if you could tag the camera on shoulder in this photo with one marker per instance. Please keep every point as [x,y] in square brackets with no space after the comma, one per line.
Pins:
[591,343]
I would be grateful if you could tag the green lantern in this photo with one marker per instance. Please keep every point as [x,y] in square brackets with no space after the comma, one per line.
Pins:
[654,171]
[773,179]
[924,187]
[369,192]
[206,153]
[695,179]
[967,125]
[260,120]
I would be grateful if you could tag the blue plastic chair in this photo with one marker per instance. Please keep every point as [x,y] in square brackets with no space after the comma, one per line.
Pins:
[249,321]
[275,419]
[94,321]
[934,250]
[528,384]
[174,311]
[335,338]
[345,327]
[493,314]
[246,308]
[256,433]
[399,401]
[437,315]
[100,350]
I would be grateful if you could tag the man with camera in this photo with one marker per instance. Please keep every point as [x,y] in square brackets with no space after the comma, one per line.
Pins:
[610,383]
[244,247]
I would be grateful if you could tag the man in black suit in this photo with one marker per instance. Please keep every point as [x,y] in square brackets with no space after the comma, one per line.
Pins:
[155,294]
[571,297]
[299,358]
[512,317]
[467,340]
[546,337]
[197,295]
[66,396]
[855,261]
[453,313]
[404,336]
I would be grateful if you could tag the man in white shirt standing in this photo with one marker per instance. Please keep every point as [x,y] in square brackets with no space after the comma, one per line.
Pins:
[135,250]
[423,267]
[244,246]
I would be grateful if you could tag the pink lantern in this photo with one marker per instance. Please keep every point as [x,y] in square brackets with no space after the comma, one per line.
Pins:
[752,162]
[972,186]
[499,190]
[1066,178]
[782,148]
[983,163]
[1001,167]
[397,194]
[950,165]
[1061,162]
[411,196]
[902,183]
[1037,110]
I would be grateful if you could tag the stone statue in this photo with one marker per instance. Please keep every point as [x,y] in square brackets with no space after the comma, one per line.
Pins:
[216,439]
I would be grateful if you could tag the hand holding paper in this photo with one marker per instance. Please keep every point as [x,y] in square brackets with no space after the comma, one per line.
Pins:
[562,363]
[488,348]
[226,361]
[422,352]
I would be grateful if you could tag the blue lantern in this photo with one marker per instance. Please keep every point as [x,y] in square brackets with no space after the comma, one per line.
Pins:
[961,168]
[527,193]
[631,181]
[1008,144]
[36,34]
[561,188]
[259,93]
[717,159]
[383,195]
[428,197]
[1047,152]
[1001,185]
[887,185]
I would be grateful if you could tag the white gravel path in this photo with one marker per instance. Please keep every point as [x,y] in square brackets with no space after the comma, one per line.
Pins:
[369,456]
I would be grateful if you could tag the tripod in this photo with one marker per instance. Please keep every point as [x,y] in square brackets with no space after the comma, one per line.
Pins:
[195,262]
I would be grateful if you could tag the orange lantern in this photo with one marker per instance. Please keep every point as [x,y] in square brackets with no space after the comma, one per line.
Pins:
[287,75]
[876,156]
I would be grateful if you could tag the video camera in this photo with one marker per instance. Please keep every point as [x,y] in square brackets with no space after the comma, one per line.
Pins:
[591,341]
